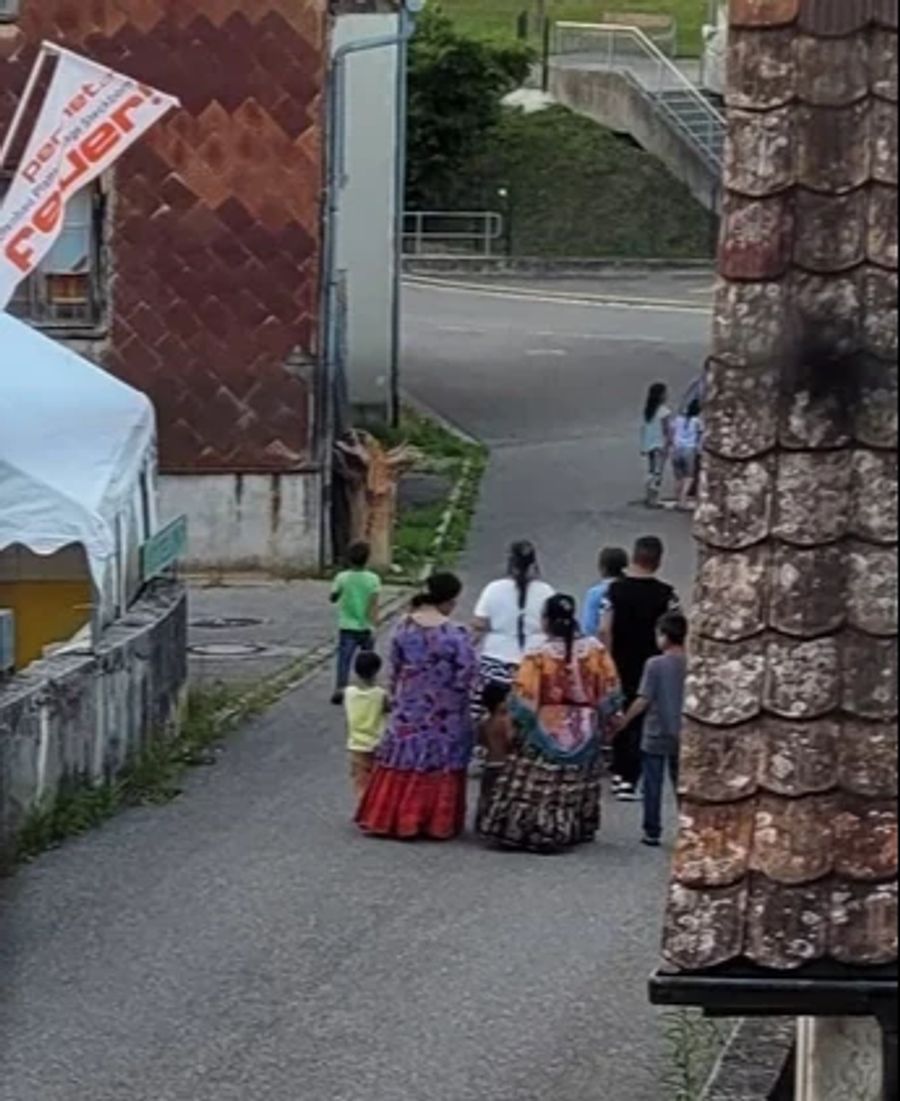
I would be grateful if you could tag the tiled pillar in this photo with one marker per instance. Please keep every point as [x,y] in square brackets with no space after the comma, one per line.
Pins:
[839,1059]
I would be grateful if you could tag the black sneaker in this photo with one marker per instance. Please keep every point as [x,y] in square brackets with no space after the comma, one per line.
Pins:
[338,699]
[651,842]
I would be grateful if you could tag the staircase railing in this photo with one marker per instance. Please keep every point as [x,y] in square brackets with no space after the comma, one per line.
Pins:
[616,47]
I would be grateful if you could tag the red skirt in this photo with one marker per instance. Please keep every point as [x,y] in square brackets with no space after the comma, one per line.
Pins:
[408,805]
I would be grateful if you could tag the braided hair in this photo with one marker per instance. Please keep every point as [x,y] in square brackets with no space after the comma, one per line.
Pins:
[523,569]
[561,614]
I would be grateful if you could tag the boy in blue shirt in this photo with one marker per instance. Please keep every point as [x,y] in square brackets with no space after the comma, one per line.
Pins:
[613,564]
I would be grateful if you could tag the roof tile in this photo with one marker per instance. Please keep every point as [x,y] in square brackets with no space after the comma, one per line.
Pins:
[867,759]
[757,237]
[875,496]
[834,17]
[881,216]
[720,766]
[799,758]
[806,596]
[725,682]
[812,501]
[705,928]
[832,72]
[759,152]
[883,61]
[883,123]
[714,843]
[879,290]
[760,80]
[763,13]
[884,12]
[803,679]
[870,680]
[830,230]
[872,595]
[863,924]
[743,576]
[834,149]
[792,841]
[742,417]
[876,413]
[866,839]
[831,307]
[814,422]
[736,502]
[786,926]
[750,323]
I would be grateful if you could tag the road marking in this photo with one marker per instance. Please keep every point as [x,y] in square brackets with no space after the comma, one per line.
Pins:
[558,352]
[466,330]
[595,301]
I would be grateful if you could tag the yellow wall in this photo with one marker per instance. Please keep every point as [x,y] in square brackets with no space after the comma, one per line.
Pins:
[51,600]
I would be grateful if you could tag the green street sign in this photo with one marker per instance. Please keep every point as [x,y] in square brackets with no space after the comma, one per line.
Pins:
[165,548]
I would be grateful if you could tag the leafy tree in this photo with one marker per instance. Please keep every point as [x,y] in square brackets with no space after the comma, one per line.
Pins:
[456,85]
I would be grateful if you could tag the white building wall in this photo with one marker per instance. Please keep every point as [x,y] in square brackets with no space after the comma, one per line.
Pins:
[365,232]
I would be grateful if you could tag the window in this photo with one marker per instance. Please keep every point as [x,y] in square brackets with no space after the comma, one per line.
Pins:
[65,291]
[9,10]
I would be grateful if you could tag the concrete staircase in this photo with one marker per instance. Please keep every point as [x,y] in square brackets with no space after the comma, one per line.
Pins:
[616,75]
[700,124]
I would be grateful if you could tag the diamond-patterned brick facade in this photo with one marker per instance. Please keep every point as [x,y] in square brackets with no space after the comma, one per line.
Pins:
[787,854]
[214,234]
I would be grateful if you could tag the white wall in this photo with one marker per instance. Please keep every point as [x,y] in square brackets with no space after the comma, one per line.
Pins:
[240,522]
[365,239]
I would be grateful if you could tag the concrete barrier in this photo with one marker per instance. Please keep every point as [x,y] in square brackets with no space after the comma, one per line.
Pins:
[620,104]
[80,718]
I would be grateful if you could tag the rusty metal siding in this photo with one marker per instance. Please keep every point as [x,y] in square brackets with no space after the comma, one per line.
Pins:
[215,235]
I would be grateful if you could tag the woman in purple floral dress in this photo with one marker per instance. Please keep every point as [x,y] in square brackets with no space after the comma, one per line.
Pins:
[418,788]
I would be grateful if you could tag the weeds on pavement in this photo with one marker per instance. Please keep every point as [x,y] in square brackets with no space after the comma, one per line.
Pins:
[152,778]
[693,1045]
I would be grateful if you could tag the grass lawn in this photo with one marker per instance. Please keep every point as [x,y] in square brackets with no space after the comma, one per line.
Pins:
[576,189]
[497,18]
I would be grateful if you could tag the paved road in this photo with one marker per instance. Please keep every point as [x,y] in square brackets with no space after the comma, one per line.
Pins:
[244,944]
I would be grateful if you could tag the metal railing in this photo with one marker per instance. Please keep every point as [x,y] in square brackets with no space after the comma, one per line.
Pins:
[433,233]
[628,50]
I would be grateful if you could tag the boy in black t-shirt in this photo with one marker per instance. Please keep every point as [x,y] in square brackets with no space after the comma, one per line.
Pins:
[634,606]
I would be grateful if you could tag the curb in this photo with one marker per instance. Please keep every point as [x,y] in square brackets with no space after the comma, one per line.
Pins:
[273,689]
[549,268]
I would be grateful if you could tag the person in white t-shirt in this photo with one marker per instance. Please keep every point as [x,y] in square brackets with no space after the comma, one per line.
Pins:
[509,616]
[685,459]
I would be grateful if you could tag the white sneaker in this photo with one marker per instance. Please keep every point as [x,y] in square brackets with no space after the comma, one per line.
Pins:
[616,782]
[627,794]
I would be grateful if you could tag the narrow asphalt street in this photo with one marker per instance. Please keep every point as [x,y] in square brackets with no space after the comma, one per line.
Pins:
[245,944]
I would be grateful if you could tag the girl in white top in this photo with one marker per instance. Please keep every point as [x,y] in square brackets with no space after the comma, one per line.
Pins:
[685,460]
[509,616]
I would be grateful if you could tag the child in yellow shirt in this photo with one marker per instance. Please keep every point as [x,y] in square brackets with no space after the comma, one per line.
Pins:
[366,705]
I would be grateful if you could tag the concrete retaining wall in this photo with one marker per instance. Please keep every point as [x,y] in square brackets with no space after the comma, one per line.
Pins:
[80,718]
[616,102]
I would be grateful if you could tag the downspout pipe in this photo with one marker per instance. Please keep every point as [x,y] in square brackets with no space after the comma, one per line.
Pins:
[336,181]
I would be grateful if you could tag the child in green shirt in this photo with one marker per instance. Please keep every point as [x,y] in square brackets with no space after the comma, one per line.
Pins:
[355,592]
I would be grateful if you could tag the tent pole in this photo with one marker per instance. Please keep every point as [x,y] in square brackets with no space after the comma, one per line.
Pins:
[23,104]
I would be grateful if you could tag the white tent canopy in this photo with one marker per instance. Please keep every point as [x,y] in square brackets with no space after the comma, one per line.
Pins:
[76,454]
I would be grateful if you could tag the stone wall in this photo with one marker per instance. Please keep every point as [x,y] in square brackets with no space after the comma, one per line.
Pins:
[83,717]
[618,103]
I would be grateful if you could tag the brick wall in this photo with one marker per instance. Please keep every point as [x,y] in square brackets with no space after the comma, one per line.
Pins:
[215,217]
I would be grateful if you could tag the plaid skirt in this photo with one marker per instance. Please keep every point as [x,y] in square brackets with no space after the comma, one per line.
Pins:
[540,806]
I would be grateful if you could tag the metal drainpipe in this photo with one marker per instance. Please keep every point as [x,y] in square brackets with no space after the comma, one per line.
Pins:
[336,176]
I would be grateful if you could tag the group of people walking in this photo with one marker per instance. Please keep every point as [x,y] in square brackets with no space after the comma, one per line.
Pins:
[537,690]
[665,435]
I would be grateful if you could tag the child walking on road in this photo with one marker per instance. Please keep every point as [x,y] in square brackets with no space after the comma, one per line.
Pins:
[613,564]
[656,440]
[366,705]
[661,702]
[355,592]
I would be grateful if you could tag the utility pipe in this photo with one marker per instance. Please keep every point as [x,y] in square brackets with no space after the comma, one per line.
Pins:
[336,177]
